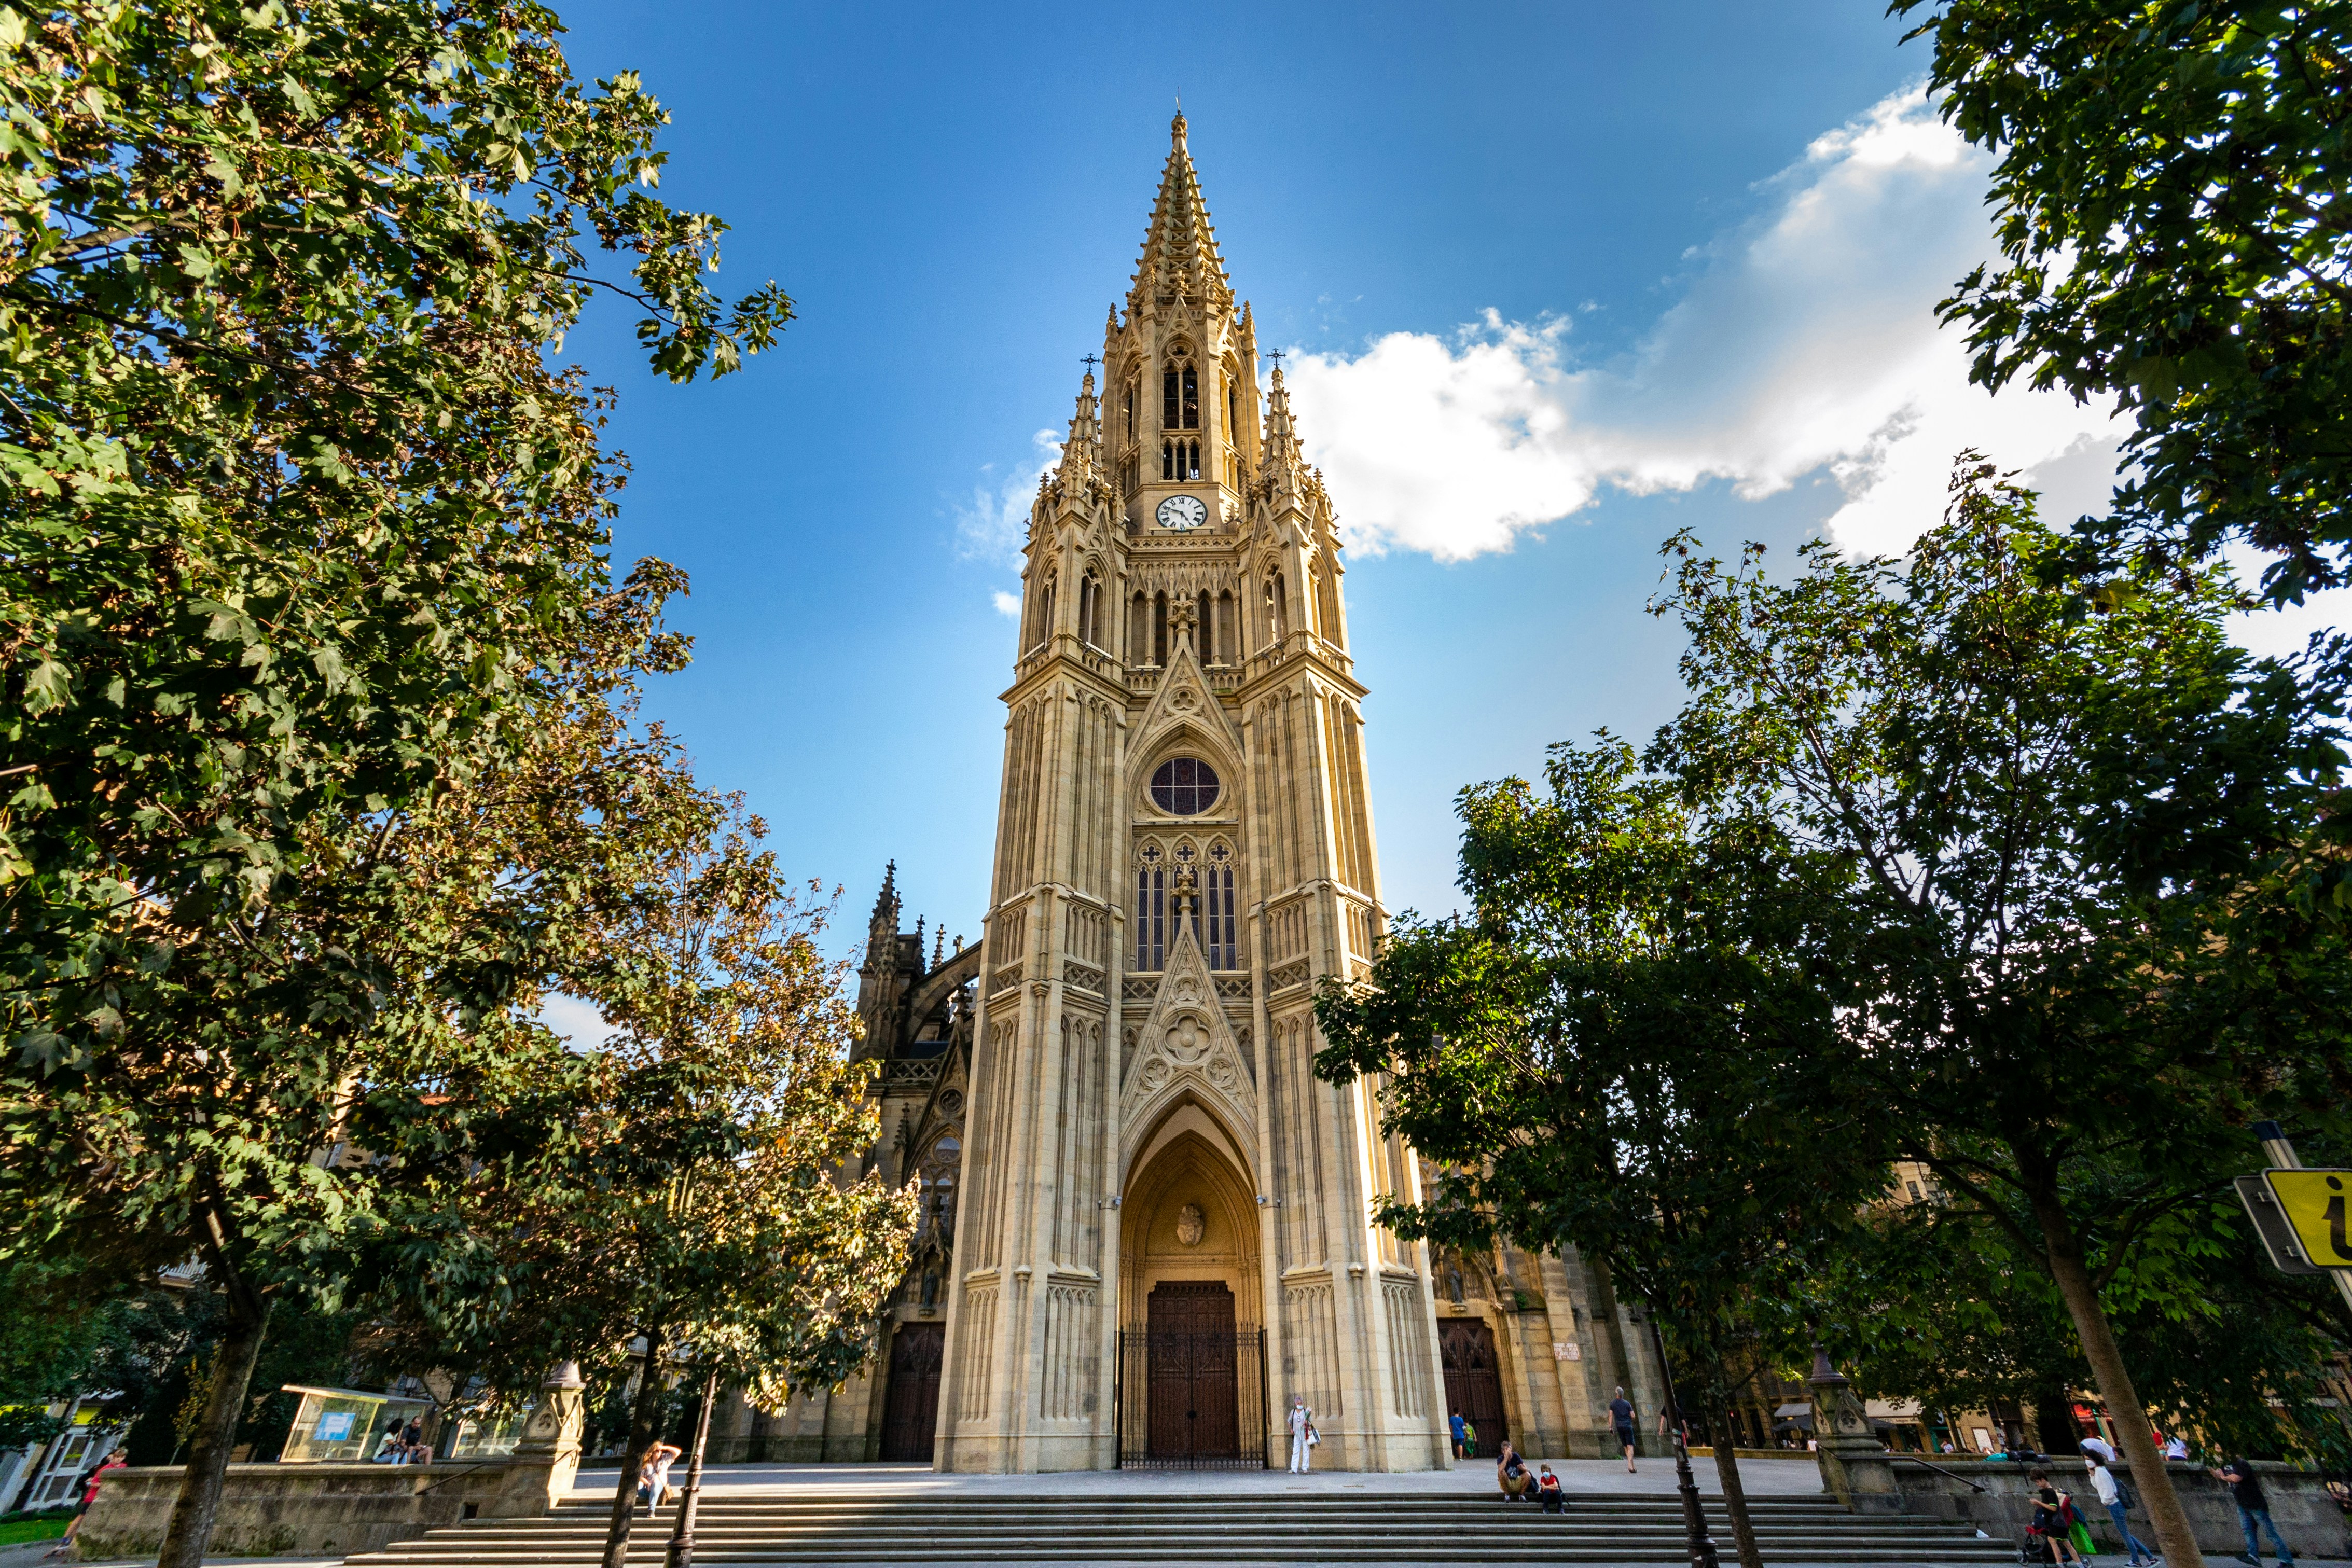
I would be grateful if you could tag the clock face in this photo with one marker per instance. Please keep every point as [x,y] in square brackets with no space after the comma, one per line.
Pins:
[1182,513]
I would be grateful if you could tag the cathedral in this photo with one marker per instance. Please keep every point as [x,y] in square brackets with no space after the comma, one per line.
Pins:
[1145,1222]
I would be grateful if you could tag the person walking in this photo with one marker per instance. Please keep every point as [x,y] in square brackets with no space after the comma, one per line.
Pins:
[2253,1507]
[1461,1438]
[1301,1422]
[2111,1492]
[2050,1512]
[1621,1419]
[96,1478]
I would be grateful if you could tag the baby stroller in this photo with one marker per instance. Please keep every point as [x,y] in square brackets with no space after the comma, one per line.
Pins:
[2037,1551]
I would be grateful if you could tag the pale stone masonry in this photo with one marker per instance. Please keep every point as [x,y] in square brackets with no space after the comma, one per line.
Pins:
[1111,1098]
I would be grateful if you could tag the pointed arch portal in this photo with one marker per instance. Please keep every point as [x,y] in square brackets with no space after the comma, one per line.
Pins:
[1191,1376]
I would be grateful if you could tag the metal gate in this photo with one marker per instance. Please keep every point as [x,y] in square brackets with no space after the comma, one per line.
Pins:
[1192,1399]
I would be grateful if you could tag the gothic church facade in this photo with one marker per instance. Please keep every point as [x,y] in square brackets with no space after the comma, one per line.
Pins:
[1110,1098]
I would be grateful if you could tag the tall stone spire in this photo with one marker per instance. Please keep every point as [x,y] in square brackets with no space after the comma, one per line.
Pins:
[1085,433]
[884,924]
[1179,250]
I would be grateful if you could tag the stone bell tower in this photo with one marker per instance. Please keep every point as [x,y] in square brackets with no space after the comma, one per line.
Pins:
[1183,847]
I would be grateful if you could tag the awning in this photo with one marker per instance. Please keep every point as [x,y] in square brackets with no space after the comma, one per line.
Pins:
[1893,1409]
[1798,1408]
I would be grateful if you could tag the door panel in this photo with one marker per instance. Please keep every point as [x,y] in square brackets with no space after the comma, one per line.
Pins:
[911,1418]
[1192,1369]
[1474,1384]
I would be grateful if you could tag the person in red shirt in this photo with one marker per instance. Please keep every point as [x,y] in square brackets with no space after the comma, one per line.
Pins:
[114,1461]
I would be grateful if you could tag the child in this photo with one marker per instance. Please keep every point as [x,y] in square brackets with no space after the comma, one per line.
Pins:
[2052,1515]
[1548,1490]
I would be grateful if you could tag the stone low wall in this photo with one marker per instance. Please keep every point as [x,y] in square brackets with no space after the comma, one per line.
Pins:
[316,1510]
[2306,1516]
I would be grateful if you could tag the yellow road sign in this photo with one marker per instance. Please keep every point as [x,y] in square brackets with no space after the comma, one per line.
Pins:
[2314,1204]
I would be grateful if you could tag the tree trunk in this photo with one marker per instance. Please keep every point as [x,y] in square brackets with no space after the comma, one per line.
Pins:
[1735,1496]
[191,1529]
[641,1439]
[681,1541]
[2176,1539]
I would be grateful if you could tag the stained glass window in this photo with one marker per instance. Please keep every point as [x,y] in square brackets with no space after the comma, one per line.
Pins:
[1185,786]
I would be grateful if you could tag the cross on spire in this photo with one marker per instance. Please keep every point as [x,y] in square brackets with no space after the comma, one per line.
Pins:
[1090,361]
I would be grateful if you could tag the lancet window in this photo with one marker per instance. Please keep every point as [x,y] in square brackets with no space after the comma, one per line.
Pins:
[1277,612]
[1179,398]
[1127,398]
[1222,942]
[1139,629]
[1160,630]
[1041,628]
[1089,611]
[1208,630]
[1151,910]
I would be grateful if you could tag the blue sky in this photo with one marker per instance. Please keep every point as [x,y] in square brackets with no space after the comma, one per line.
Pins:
[1562,280]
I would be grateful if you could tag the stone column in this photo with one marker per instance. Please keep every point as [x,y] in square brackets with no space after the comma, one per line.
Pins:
[1854,1466]
[547,1457]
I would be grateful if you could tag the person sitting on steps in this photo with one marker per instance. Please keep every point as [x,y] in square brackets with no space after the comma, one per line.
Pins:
[1511,1474]
[1548,1490]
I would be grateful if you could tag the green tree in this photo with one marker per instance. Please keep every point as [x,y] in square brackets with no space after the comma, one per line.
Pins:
[1941,1307]
[707,1211]
[2168,202]
[304,557]
[2079,844]
[1629,1050]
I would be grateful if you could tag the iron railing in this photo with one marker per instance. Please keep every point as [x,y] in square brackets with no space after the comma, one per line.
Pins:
[1192,1399]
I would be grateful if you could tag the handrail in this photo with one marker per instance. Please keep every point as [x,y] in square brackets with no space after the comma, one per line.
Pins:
[471,1466]
[1941,1471]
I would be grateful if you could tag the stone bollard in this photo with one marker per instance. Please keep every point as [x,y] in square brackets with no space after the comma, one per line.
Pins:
[547,1457]
[1854,1465]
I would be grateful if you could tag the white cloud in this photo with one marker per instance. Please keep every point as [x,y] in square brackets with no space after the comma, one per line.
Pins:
[1804,341]
[1008,604]
[994,521]
[575,1020]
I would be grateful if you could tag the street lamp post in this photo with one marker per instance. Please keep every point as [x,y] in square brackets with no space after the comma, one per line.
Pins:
[1702,1548]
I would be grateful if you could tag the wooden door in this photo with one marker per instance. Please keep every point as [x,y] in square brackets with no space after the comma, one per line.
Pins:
[1473,1384]
[1190,1369]
[911,1417]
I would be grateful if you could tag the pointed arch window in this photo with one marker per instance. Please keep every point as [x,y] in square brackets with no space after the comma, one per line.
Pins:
[1139,629]
[1128,397]
[1208,641]
[1089,611]
[1180,397]
[1224,945]
[1042,630]
[1150,910]
[1233,407]
[1229,646]
[1160,630]
[1277,612]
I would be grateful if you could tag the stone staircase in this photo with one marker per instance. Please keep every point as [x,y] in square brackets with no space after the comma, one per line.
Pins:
[1235,1526]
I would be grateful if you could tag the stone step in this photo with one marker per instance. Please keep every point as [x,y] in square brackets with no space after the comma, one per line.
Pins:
[1227,1528]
